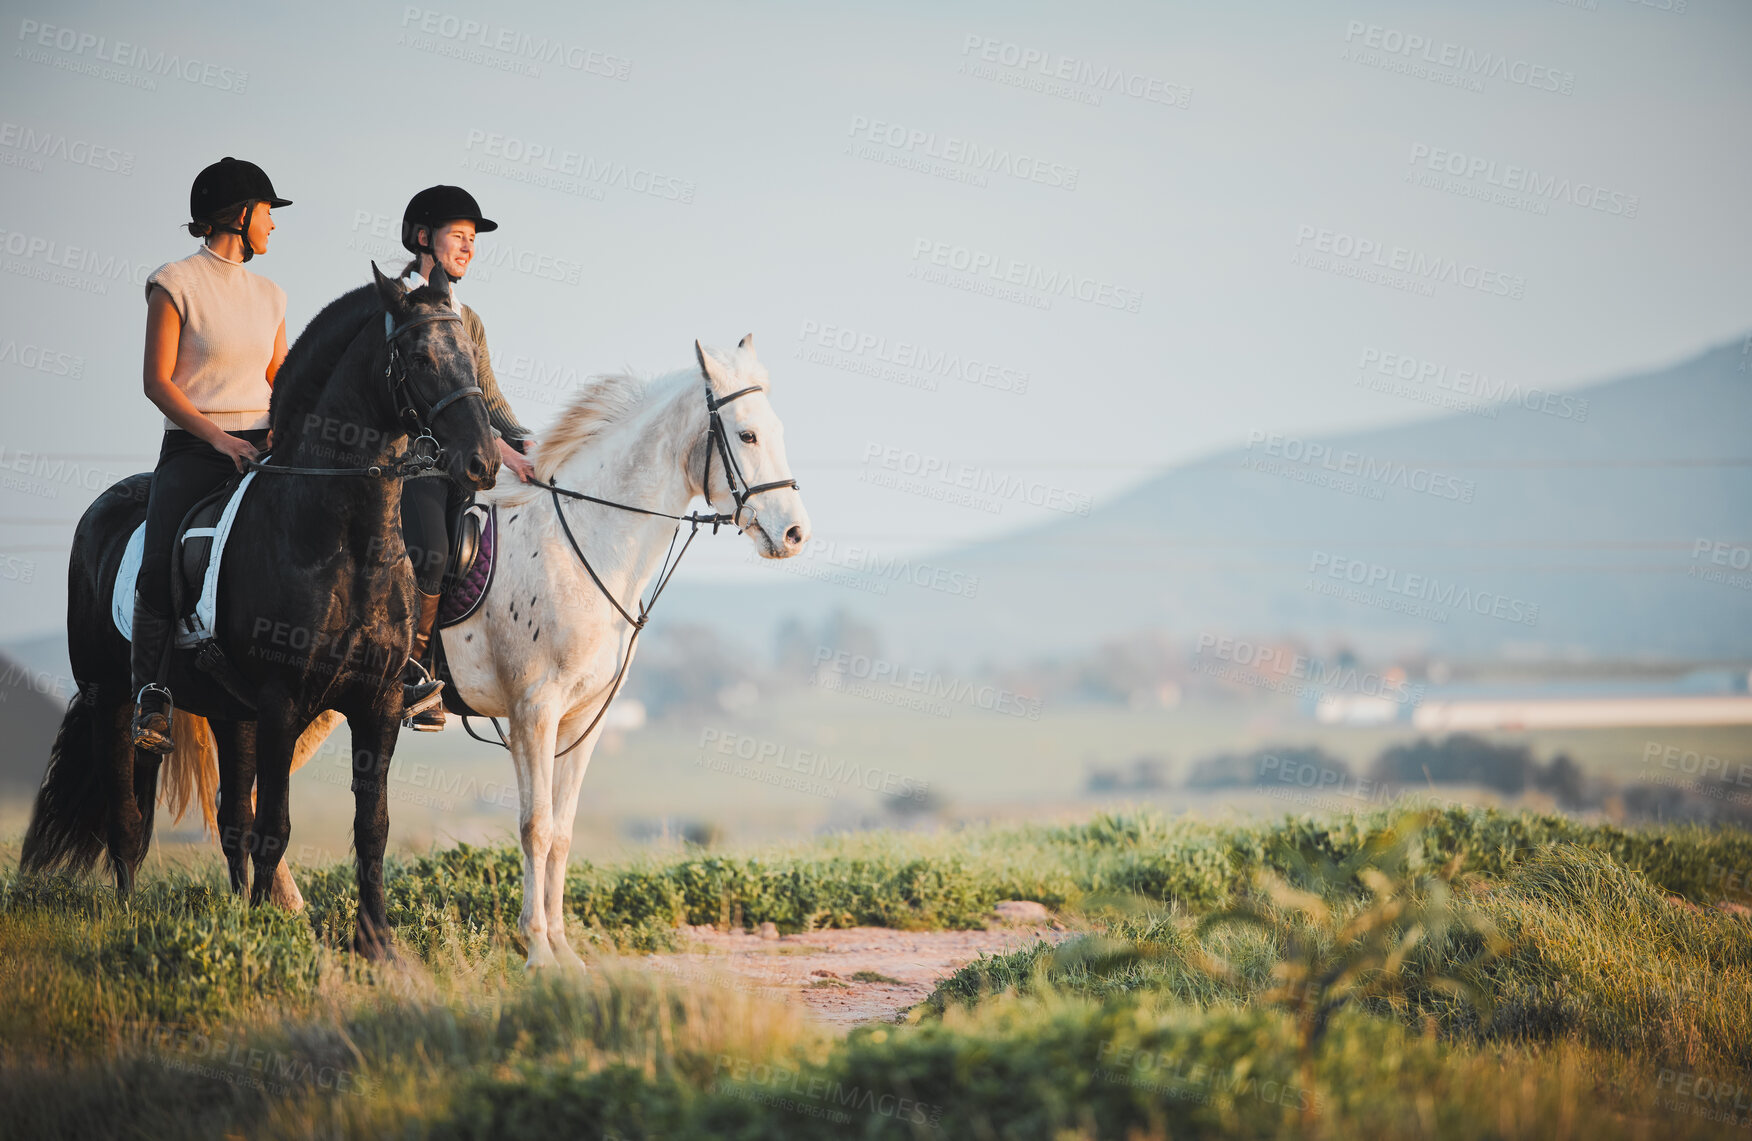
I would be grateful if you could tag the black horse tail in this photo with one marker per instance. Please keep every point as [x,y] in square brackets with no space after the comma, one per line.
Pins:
[72,807]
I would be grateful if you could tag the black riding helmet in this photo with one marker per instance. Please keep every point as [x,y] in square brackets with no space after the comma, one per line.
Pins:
[227,183]
[434,206]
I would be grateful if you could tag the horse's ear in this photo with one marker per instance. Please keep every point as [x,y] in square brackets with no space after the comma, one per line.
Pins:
[439,279]
[746,344]
[709,366]
[388,290]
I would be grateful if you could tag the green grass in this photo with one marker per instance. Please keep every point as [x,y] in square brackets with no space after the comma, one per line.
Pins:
[1568,980]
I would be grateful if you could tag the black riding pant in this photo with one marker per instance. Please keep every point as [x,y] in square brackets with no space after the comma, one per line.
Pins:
[188,471]
[426,506]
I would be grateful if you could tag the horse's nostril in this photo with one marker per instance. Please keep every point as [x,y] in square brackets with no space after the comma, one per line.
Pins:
[794,535]
[477,467]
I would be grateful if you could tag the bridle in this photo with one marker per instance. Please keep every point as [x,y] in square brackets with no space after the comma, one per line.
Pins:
[404,395]
[732,470]
[406,400]
[740,491]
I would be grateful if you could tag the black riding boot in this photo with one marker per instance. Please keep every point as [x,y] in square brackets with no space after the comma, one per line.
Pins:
[153,706]
[422,694]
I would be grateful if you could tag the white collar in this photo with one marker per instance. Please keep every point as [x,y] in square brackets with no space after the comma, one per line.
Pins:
[418,282]
[206,249]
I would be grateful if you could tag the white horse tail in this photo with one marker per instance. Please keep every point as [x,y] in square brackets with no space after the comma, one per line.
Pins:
[191,773]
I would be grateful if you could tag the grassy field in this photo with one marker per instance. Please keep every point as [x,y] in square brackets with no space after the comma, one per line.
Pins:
[1414,972]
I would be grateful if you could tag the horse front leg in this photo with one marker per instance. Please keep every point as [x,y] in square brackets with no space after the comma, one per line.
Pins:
[374,736]
[568,781]
[270,833]
[236,741]
[532,754]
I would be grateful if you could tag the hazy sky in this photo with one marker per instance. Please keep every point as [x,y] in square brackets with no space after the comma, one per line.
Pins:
[1244,199]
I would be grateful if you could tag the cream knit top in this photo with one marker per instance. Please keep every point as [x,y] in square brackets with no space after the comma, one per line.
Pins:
[230,317]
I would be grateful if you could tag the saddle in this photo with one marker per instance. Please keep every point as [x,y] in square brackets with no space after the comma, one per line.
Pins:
[471,563]
[194,590]
[472,560]
[194,580]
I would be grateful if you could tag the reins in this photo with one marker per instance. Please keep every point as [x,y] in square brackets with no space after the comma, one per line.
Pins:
[671,558]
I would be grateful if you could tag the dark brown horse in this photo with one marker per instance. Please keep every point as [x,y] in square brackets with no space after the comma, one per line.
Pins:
[315,610]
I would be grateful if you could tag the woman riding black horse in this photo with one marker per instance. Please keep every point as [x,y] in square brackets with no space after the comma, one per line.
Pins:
[439,228]
[314,611]
[215,338]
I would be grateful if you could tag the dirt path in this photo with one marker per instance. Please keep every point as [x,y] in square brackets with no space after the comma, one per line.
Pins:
[818,969]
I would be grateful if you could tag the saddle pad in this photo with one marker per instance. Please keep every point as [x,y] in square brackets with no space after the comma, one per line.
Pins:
[201,624]
[464,598]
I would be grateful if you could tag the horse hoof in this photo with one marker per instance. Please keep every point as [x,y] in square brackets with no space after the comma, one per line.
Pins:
[377,949]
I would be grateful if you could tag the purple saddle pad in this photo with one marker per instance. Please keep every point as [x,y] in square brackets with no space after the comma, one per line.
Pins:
[465,594]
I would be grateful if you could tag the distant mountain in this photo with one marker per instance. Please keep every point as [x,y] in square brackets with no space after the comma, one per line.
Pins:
[1582,525]
[32,699]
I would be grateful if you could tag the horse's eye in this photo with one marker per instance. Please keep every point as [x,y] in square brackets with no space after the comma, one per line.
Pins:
[745,437]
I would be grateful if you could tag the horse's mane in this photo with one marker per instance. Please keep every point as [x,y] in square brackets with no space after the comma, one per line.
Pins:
[602,402]
[313,356]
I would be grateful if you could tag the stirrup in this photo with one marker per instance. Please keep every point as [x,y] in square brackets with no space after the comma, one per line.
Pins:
[145,729]
[431,719]
[419,696]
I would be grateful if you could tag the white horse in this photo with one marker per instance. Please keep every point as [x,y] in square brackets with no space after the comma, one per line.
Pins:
[551,643]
